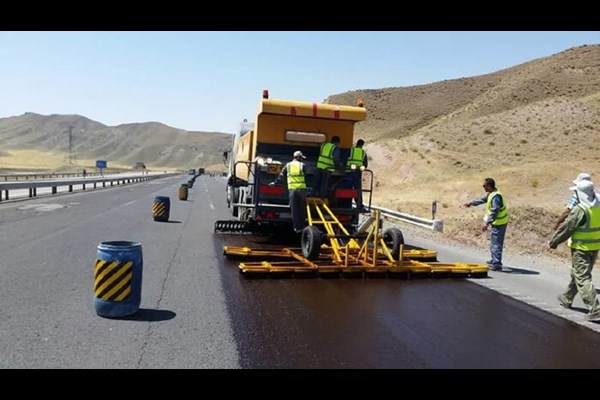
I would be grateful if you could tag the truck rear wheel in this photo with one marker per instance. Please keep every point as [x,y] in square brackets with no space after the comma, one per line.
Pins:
[311,242]
[393,238]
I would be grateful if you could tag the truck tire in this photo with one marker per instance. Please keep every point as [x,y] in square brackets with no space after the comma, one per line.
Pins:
[393,238]
[311,242]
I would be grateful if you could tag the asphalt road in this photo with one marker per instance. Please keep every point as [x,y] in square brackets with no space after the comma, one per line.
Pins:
[198,312]
[48,252]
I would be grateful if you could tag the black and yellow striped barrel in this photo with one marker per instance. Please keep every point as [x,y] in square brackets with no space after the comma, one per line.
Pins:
[161,208]
[118,278]
[183,191]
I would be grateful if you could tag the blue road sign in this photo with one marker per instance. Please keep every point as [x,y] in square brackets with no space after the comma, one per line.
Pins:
[100,164]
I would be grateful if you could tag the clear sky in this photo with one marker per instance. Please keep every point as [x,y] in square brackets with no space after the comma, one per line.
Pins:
[210,81]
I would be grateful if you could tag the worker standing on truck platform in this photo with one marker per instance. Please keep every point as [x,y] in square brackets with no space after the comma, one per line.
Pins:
[329,158]
[295,171]
[496,215]
[355,164]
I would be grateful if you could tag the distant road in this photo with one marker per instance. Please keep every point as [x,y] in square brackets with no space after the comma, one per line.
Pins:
[24,193]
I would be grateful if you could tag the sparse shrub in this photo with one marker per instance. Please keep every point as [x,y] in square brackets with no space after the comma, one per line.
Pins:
[488,132]
[518,154]
[534,182]
[492,143]
[523,141]
[566,132]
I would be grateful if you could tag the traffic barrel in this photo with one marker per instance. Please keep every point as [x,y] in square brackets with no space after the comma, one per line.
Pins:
[190,183]
[183,191]
[118,278]
[161,208]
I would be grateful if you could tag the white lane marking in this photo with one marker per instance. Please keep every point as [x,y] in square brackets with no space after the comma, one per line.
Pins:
[210,203]
[42,207]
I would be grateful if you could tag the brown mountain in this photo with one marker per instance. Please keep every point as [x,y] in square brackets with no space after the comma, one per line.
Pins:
[532,127]
[155,144]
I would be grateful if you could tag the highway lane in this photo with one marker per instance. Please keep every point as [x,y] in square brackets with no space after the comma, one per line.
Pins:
[442,323]
[20,194]
[48,250]
[198,312]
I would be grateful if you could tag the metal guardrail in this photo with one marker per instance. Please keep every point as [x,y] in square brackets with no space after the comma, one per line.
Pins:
[433,224]
[39,175]
[5,188]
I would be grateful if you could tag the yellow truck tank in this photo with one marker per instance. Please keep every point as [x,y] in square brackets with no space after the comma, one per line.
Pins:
[260,150]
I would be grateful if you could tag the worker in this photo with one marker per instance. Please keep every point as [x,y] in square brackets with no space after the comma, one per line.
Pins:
[582,226]
[295,171]
[497,216]
[573,200]
[355,164]
[329,158]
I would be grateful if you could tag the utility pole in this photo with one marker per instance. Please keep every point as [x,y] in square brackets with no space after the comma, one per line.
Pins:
[70,145]
[71,152]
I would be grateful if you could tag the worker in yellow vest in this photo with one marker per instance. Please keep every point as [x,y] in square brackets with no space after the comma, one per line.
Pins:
[355,164]
[496,216]
[329,158]
[295,171]
[582,226]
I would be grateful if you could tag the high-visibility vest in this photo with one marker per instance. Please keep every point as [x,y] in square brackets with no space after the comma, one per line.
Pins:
[502,217]
[325,160]
[587,237]
[295,175]
[356,157]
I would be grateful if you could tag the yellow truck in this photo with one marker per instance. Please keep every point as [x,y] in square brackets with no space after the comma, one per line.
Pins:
[261,149]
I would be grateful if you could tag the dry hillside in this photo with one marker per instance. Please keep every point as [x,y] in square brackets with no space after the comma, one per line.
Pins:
[532,127]
[41,141]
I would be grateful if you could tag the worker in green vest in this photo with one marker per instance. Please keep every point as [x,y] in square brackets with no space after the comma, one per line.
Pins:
[295,171]
[496,216]
[329,158]
[355,164]
[582,226]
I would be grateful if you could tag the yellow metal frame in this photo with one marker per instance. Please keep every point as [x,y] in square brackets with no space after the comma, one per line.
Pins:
[345,254]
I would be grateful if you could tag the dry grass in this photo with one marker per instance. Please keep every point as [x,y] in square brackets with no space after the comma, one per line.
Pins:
[532,128]
[41,160]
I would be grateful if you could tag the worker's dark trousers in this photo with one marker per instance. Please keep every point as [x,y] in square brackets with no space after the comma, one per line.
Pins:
[321,183]
[356,178]
[298,208]
[496,245]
